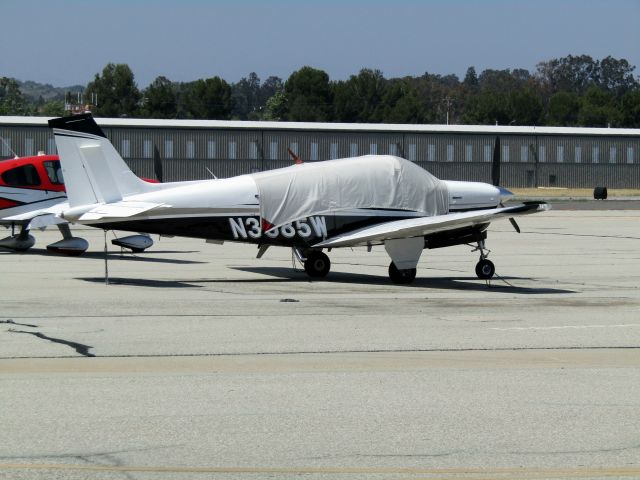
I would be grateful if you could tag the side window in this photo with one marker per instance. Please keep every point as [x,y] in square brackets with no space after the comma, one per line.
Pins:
[25,176]
[54,172]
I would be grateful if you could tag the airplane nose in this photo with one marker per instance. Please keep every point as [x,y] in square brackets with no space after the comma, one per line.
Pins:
[505,194]
[472,195]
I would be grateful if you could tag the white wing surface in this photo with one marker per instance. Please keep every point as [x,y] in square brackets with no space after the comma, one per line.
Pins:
[421,226]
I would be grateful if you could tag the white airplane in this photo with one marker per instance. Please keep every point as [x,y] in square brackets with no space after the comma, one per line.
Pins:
[351,202]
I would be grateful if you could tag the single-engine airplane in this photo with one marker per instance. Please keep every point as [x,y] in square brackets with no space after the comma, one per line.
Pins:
[360,201]
[31,193]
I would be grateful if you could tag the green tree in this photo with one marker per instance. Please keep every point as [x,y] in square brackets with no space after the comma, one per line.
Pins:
[525,107]
[12,102]
[360,98]
[115,90]
[209,99]
[630,109]
[502,81]
[439,96]
[598,109]
[246,96]
[308,96]
[568,74]
[53,108]
[276,107]
[471,79]
[401,104]
[159,99]
[488,108]
[269,88]
[563,109]
[616,76]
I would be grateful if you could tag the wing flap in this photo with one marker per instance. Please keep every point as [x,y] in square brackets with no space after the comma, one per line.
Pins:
[421,226]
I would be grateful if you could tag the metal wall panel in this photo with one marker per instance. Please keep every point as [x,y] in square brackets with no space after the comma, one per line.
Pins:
[327,145]
[26,140]
[528,160]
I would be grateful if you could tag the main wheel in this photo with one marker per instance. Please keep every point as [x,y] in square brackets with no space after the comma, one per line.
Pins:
[401,276]
[317,264]
[485,269]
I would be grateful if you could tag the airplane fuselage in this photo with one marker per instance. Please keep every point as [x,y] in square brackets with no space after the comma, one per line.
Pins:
[29,183]
[229,210]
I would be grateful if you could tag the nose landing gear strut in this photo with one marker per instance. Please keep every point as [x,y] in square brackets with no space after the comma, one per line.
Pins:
[485,269]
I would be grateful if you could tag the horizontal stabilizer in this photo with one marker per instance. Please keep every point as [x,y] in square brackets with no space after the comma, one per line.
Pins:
[421,226]
[40,218]
[121,209]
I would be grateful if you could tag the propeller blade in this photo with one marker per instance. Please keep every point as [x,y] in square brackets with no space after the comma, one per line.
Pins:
[157,164]
[516,227]
[495,167]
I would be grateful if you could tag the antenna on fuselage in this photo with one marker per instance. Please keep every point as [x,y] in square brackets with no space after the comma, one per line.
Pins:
[6,144]
[211,173]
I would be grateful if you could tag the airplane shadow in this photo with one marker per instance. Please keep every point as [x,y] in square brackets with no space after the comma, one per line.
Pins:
[115,255]
[285,275]
[141,257]
[140,282]
[447,283]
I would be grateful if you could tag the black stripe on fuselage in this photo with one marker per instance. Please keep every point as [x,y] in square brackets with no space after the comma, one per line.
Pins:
[245,228]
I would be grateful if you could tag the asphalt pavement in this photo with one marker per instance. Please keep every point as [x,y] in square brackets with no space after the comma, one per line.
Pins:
[200,361]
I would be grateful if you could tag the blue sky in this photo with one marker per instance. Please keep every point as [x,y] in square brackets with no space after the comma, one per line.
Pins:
[65,42]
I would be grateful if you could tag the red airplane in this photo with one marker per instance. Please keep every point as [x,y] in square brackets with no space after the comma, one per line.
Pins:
[31,190]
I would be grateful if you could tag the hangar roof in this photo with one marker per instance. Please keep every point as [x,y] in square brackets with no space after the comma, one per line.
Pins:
[335,127]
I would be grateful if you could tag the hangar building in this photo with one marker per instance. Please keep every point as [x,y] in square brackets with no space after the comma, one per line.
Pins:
[197,149]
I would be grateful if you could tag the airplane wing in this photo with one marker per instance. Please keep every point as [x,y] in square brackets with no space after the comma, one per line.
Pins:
[421,226]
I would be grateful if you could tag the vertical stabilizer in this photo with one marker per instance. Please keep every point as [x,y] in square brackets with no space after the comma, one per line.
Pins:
[93,170]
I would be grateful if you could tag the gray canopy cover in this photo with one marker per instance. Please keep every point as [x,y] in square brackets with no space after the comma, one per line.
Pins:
[370,181]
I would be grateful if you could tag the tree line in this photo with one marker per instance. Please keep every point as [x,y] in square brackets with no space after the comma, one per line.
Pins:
[567,91]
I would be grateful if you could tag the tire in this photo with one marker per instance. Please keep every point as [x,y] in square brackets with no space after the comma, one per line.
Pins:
[317,264]
[401,276]
[485,269]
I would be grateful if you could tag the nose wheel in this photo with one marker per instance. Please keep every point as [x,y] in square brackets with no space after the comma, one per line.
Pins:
[485,269]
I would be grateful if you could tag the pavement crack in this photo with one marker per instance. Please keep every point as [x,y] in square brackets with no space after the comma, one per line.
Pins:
[577,451]
[78,347]
[11,322]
